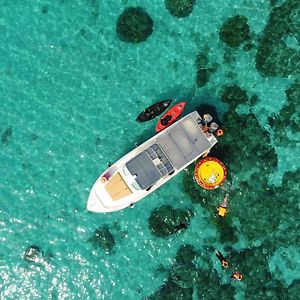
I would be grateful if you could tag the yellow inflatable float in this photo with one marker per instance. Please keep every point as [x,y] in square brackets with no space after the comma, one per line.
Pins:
[210,173]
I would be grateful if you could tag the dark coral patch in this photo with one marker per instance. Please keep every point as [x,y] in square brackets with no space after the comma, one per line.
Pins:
[203,69]
[253,264]
[246,152]
[103,238]
[274,57]
[233,96]
[45,9]
[235,31]
[166,220]
[6,135]
[252,150]
[171,291]
[134,25]
[287,119]
[180,8]
[184,272]
[186,279]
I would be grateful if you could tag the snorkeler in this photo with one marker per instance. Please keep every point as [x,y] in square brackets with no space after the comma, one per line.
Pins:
[236,276]
[207,118]
[222,259]
[222,209]
[180,226]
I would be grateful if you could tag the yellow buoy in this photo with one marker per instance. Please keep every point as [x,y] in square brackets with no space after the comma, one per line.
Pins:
[210,173]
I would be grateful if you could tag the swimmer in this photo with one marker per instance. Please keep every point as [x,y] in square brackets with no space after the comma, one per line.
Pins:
[222,209]
[222,259]
[180,226]
[236,276]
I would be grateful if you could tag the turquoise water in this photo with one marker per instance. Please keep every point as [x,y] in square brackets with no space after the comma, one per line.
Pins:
[70,93]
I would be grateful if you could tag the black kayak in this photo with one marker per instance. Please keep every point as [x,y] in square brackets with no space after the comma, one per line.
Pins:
[153,111]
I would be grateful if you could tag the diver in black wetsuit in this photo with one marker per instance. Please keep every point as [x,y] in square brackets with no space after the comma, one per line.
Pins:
[180,226]
[222,259]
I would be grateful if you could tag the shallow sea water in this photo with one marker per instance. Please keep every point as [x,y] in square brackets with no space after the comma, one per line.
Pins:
[70,93]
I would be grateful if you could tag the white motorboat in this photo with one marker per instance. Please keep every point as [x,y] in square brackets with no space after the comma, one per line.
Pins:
[150,165]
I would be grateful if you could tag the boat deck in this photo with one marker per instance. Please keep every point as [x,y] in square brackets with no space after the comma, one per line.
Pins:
[149,166]
[117,188]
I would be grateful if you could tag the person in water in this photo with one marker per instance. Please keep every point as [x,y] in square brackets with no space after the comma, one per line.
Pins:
[164,121]
[222,209]
[180,226]
[222,259]
[236,276]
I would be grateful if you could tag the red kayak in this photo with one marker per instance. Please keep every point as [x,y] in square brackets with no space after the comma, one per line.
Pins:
[170,116]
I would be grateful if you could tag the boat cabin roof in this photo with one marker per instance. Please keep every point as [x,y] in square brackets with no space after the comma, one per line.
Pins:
[184,142]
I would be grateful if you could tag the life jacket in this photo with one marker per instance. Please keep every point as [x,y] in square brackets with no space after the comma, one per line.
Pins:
[220,132]
[222,211]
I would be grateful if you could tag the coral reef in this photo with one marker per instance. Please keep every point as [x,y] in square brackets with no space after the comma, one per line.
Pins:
[103,238]
[180,8]
[233,96]
[235,31]
[171,291]
[284,266]
[274,57]
[185,275]
[288,117]
[253,264]
[203,69]
[166,220]
[183,272]
[134,25]
[249,158]
[294,290]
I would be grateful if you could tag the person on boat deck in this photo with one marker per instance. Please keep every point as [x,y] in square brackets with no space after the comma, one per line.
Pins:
[207,118]
[164,121]
[213,127]
[222,259]
[222,209]
[206,128]
[236,276]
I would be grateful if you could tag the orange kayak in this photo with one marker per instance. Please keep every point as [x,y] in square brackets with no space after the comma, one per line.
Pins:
[170,116]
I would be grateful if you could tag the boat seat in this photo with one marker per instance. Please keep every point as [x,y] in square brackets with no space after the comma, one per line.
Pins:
[117,188]
[162,158]
[162,169]
[151,153]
